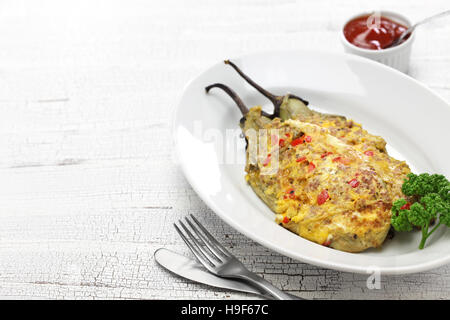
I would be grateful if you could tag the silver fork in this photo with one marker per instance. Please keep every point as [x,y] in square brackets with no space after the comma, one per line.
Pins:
[217,260]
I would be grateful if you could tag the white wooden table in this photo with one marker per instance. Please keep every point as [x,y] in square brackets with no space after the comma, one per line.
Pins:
[88,186]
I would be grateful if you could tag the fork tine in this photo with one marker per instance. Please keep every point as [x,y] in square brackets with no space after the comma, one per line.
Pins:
[211,238]
[204,261]
[211,246]
[200,245]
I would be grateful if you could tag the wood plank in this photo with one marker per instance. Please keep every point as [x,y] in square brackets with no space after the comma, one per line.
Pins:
[89,186]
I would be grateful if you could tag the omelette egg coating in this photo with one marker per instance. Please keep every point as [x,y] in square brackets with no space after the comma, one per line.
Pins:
[334,182]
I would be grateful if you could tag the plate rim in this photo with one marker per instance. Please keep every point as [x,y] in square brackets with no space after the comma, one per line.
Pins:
[280,250]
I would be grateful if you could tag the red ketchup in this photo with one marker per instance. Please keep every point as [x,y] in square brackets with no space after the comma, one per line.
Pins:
[376,37]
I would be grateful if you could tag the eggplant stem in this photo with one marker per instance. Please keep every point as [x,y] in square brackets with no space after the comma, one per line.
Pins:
[233,95]
[275,99]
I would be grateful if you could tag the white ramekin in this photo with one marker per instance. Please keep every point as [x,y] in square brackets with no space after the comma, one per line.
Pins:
[396,57]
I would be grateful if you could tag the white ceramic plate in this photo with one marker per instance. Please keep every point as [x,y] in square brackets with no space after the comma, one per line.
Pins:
[412,119]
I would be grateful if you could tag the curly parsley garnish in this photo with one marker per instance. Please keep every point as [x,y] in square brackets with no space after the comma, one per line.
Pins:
[431,201]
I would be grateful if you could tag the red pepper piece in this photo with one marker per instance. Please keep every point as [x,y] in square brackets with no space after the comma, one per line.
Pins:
[406,206]
[308,139]
[297,141]
[286,219]
[368,153]
[311,167]
[291,193]
[353,183]
[322,197]
[281,142]
[301,159]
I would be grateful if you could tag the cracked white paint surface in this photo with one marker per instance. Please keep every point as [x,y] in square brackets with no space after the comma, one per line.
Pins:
[88,186]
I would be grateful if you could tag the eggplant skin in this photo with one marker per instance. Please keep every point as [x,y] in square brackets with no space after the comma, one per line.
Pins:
[334,184]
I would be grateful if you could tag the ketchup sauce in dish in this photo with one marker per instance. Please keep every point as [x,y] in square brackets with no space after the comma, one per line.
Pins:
[377,37]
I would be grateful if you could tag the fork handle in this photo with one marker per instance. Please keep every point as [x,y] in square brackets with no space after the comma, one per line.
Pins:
[266,286]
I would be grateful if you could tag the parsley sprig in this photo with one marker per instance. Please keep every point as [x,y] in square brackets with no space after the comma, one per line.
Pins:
[429,200]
